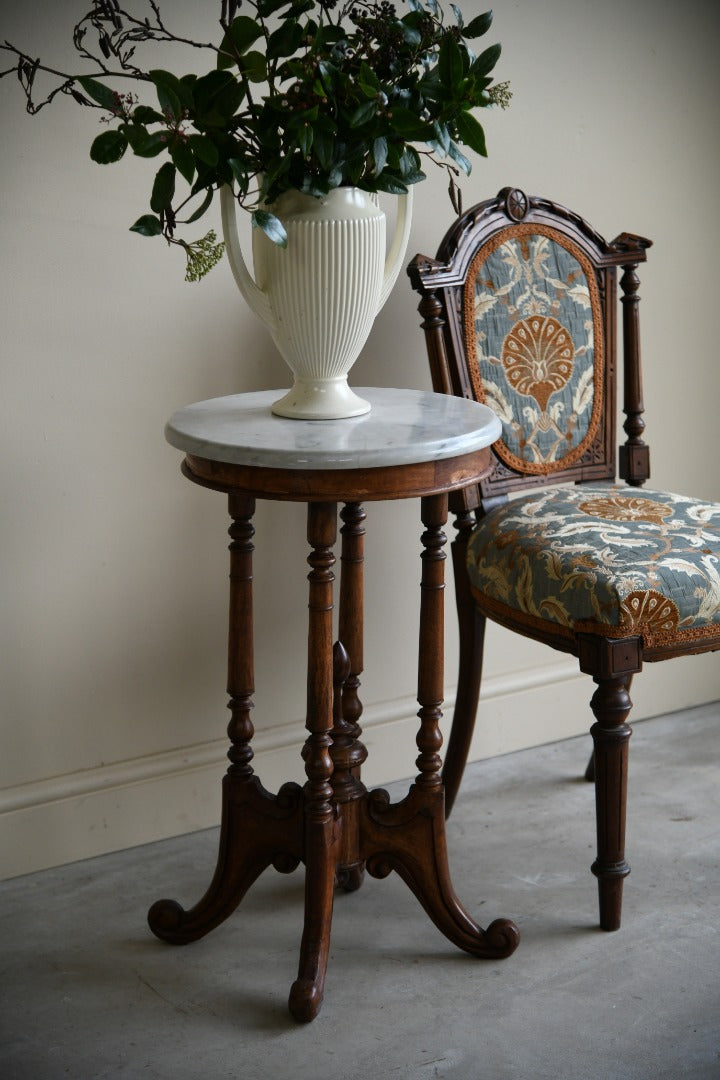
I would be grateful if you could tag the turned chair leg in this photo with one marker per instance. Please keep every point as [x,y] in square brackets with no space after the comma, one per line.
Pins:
[590,770]
[471,624]
[611,706]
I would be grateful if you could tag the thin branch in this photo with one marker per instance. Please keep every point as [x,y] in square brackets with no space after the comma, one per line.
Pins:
[118,34]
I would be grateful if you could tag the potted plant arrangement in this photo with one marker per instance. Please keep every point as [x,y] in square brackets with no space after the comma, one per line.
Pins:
[305,111]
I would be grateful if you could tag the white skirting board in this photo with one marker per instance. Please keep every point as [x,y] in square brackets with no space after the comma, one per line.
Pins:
[65,818]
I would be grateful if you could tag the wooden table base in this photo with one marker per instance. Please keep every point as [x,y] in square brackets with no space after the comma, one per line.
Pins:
[333,824]
[260,830]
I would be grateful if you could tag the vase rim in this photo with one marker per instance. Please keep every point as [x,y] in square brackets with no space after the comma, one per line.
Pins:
[339,203]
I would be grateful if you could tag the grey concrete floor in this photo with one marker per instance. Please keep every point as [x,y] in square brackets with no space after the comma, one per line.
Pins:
[86,992]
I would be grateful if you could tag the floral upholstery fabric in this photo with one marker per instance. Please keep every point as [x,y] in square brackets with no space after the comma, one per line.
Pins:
[618,561]
[534,340]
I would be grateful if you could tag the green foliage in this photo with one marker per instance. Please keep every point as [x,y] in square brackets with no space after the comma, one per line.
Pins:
[306,94]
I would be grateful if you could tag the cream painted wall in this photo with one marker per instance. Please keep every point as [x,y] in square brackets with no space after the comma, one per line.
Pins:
[113,604]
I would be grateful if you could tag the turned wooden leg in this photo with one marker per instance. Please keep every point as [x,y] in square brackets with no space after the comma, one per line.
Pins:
[611,705]
[321,827]
[409,837]
[471,624]
[431,646]
[351,614]
[256,828]
[590,770]
[348,752]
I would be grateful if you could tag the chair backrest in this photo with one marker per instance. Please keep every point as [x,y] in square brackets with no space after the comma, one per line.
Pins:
[519,311]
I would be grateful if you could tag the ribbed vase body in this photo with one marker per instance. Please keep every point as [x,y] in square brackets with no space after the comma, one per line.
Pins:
[319,295]
[324,293]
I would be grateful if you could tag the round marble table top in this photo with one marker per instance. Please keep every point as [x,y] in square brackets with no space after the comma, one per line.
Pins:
[402,427]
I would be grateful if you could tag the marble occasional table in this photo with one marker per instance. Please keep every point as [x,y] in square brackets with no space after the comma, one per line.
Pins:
[411,444]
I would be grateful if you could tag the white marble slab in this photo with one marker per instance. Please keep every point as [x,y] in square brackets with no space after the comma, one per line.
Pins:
[403,426]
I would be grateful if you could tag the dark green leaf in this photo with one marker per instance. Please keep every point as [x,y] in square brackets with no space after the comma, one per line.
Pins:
[368,77]
[266,7]
[202,208]
[285,40]
[312,186]
[278,172]
[166,86]
[239,171]
[150,147]
[407,124]
[184,88]
[471,133]
[478,26]
[99,92]
[207,89]
[305,139]
[136,135]
[486,61]
[228,101]
[108,147]
[183,159]
[457,155]
[367,91]
[380,154]
[363,113]
[243,33]
[353,169]
[391,184]
[204,149]
[450,62]
[410,166]
[147,225]
[442,136]
[254,65]
[271,226]
[163,188]
[323,147]
[143,114]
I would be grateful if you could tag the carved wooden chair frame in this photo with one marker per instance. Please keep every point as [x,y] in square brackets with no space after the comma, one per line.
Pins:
[610,661]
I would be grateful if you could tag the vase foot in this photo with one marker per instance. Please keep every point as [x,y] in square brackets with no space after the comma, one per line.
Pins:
[320,399]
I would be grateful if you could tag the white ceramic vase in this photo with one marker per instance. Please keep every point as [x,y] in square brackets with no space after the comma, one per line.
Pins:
[319,296]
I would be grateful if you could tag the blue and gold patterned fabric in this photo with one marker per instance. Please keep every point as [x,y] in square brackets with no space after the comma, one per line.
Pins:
[600,558]
[535,345]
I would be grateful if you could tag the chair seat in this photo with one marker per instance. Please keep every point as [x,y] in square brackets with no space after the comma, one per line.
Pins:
[619,561]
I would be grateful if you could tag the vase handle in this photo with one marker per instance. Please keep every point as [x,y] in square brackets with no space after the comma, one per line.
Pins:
[396,254]
[255,297]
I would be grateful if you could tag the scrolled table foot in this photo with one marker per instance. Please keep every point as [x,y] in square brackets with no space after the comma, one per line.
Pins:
[165,919]
[258,829]
[306,993]
[502,938]
[409,837]
[305,1000]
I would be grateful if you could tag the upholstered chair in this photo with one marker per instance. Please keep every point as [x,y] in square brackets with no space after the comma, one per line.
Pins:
[519,310]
